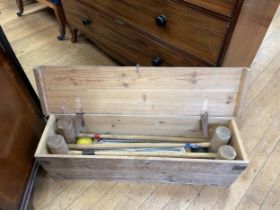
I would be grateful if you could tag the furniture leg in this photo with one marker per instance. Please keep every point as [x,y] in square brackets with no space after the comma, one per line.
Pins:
[58,10]
[74,34]
[20,7]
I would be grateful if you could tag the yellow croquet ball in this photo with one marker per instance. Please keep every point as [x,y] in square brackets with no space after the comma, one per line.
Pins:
[84,140]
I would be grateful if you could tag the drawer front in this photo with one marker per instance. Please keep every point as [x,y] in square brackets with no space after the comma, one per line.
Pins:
[121,41]
[188,29]
[223,7]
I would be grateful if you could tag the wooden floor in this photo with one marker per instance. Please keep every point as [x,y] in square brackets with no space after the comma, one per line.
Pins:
[33,38]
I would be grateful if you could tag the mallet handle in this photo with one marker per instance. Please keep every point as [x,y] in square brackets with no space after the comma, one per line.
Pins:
[140,137]
[150,154]
[132,145]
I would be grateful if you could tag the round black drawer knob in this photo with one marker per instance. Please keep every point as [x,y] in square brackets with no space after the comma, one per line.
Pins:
[86,21]
[156,61]
[161,20]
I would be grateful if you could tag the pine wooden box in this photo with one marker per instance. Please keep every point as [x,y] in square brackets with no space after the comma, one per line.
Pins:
[143,101]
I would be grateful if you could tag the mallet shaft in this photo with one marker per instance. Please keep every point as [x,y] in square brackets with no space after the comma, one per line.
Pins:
[140,137]
[133,145]
[149,154]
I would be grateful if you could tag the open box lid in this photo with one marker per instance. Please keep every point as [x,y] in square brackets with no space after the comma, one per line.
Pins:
[180,91]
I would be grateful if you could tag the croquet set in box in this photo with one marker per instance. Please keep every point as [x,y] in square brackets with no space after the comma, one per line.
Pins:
[142,123]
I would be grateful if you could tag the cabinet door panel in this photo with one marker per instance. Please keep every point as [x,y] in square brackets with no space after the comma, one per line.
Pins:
[20,128]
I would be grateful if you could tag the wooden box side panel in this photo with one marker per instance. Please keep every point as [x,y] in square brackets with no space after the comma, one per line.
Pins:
[236,141]
[151,169]
[148,125]
[143,169]
[48,131]
[188,179]
[140,91]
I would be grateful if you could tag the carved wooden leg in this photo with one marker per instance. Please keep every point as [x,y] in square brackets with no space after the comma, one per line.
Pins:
[20,7]
[59,13]
[74,34]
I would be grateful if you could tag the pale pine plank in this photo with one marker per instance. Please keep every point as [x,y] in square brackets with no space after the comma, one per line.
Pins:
[7,11]
[91,195]
[71,193]
[102,77]
[51,187]
[160,197]
[264,181]
[248,204]
[136,196]
[272,200]
[206,198]
[143,102]
[178,91]
[198,187]
[117,193]
[26,25]
[262,120]
[182,198]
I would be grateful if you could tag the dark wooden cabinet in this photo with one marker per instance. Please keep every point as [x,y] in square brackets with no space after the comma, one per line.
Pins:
[173,32]
[187,29]
[21,126]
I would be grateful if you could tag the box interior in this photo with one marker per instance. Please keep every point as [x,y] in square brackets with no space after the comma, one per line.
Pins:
[144,125]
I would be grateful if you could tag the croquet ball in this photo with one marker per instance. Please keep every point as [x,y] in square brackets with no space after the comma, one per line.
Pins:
[84,140]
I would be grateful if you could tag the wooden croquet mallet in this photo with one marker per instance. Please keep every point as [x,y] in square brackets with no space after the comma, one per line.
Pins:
[66,128]
[57,144]
[220,137]
[226,152]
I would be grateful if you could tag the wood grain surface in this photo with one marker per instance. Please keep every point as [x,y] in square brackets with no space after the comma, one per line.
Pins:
[224,7]
[186,28]
[148,124]
[144,91]
[251,27]
[119,40]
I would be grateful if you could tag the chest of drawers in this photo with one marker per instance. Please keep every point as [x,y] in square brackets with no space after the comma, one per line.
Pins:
[160,32]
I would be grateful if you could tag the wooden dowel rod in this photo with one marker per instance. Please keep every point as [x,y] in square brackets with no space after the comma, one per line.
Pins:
[140,137]
[150,154]
[133,145]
